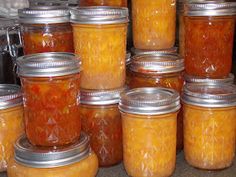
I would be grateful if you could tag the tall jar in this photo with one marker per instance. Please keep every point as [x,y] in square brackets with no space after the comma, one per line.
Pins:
[100,39]
[50,84]
[154,24]
[117,3]
[46,29]
[11,121]
[101,120]
[149,118]
[209,125]
[209,35]
[76,160]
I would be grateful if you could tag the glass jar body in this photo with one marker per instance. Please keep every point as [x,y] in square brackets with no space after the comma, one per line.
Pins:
[149,144]
[51,110]
[209,136]
[117,3]
[103,50]
[154,24]
[209,46]
[40,38]
[11,127]
[87,167]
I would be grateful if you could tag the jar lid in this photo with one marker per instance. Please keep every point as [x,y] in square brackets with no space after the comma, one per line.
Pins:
[128,58]
[197,79]
[150,101]
[157,63]
[44,15]
[209,95]
[99,15]
[49,157]
[172,50]
[209,8]
[105,97]
[48,64]
[10,96]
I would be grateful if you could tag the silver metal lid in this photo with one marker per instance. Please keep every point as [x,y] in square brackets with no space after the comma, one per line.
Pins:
[10,96]
[209,95]
[99,15]
[157,63]
[150,101]
[49,157]
[48,64]
[195,79]
[44,15]
[209,8]
[172,50]
[128,58]
[106,97]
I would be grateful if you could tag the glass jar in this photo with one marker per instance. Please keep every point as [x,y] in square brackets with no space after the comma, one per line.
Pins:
[104,64]
[154,24]
[76,160]
[209,35]
[11,121]
[50,84]
[46,29]
[172,50]
[149,118]
[209,125]
[101,120]
[118,3]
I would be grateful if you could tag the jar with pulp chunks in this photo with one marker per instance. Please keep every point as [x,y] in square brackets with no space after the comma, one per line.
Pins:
[46,29]
[75,160]
[154,24]
[11,121]
[209,35]
[209,125]
[100,39]
[118,3]
[101,120]
[149,118]
[50,84]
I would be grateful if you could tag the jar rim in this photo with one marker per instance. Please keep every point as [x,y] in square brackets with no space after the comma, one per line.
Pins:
[136,51]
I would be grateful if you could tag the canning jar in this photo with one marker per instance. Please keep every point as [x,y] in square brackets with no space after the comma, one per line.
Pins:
[149,118]
[118,3]
[46,29]
[154,24]
[50,84]
[76,160]
[100,40]
[209,35]
[11,121]
[172,50]
[101,120]
[209,125]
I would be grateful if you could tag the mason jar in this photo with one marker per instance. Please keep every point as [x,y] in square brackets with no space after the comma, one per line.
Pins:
[209,125]
[149,122]
[100,39]
[46,29]
[75,160]
[11,121]
[50,85]
[209,36]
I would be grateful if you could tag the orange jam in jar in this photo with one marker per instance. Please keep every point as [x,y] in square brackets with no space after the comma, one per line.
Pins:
[50,84]
[209,125]
[11,121]
[209,35]
[100,40]
[101,120]
[149,120]
[76,160]
[118,3]
[46,29]
[154,24]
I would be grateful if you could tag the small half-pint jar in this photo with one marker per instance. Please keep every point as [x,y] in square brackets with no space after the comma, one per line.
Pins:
[209,125]
[75,160]
[149,122]
[100,39]
[50,84]
[11,121]
[101,120]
